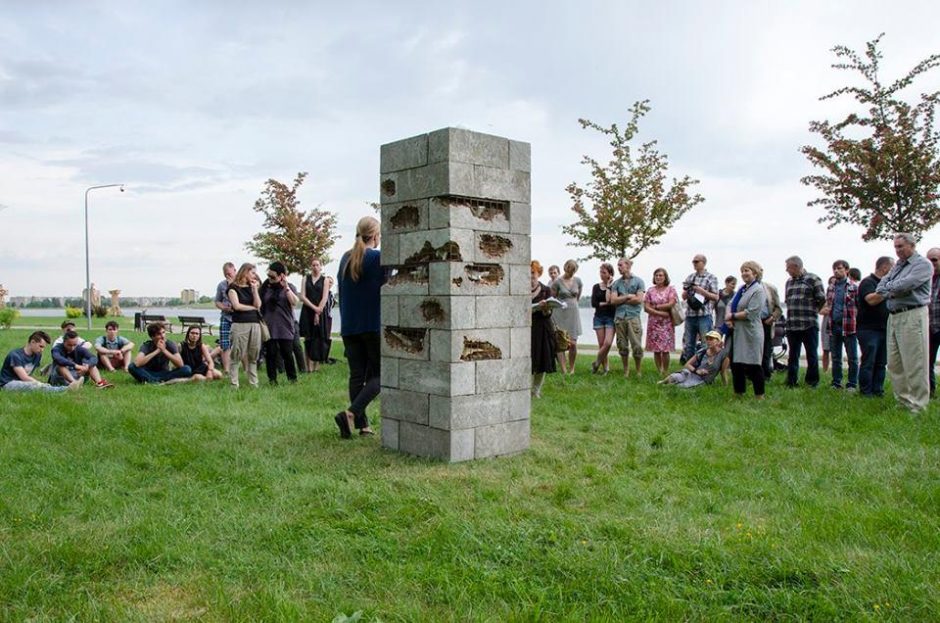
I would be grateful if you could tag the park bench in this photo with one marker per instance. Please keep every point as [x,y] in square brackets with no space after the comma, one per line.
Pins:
[194,321]
[147,319]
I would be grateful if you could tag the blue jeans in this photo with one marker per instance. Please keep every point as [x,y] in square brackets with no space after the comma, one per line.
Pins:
[932,360]
[836,342]
[871,374]
[808,338]
[695,326]
[142,375]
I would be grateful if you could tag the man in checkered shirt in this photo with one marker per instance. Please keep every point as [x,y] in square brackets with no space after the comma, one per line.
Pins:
[805,297]
[701,288]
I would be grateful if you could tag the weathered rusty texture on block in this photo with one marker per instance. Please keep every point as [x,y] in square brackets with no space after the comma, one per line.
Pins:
[406,280]
[436,245]
[437,377]
[520,281]
[465,213]
[403,217]
[503,248]
[520,156]
[407,153]
[406,406]
[436,312]
[469,345]
[504,375]
[467,279]
[390,433]
[453,446]
[501,439]
[389,310]
[461,412]
[466,146]
[520,342]
[389,372]
[405,342]
[502,311]
[520,218]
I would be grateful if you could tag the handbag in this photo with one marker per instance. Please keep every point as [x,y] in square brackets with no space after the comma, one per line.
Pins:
[676,313]
[562,341]
[265,332]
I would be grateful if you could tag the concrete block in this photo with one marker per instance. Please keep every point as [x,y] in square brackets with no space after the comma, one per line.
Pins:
[475,214]
[490,183]
[468,279]
[436,443]
[520,342]
[407,153]
[469,345]
[390,254]
[406,280]
[389,372]
[462,412]
[403,217]
[501,439]
[436,245]
[520,282]
[405,406]
[405,343]
[504,375]
[390,433]
[437,312]
[520,218]
[520,156]
[502,248]
[432,180]
[458,145]
[503,311]
[438,377]
[389,309]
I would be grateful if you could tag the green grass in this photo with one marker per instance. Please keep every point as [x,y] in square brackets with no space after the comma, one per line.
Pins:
[634,502]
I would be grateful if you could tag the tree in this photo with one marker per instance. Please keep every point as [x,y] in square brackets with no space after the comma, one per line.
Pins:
[291,235]
[627,207]
[881,168]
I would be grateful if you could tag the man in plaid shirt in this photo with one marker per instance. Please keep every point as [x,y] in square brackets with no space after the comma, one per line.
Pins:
[700,292]
[842,309]
[805,297]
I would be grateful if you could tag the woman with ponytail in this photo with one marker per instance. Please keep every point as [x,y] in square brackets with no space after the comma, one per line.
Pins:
[360,279]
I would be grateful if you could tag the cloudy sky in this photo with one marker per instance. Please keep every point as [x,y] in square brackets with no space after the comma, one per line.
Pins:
[194,106]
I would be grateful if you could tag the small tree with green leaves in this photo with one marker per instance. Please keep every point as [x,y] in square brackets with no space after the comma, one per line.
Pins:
[291,235]
[881,167]
[629,204]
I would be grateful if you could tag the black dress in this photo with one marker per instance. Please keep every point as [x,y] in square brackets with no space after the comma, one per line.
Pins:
[316,334]
[543,335]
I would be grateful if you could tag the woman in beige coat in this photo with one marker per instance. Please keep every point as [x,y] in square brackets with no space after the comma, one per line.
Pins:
[747,347]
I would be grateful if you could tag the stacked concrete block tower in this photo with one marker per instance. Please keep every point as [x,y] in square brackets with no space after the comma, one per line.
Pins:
[456,312]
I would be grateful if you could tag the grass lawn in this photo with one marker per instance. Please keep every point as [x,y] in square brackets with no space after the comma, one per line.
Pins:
[634,502]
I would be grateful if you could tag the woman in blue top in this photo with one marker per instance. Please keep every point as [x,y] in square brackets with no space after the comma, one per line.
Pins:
[360,280]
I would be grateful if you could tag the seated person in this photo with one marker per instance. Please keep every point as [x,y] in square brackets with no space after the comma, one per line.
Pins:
[69,325]
[152,363]
[196,355]
[72,361]
[114,351]
[20,363]
[704,366]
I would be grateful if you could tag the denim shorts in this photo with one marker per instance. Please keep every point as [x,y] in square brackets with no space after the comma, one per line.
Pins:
[603,322]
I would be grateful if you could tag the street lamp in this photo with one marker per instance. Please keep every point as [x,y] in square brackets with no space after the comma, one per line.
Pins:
[87,263]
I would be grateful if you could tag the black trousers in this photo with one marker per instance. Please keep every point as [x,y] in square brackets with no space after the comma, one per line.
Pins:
[768,360]
[741,372]
[364,359]
[284,348]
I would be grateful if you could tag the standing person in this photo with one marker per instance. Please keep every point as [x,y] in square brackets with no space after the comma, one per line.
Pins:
[660,333]
[768,317]
[907,290]
[553,273]
[114,351]
[360,281]
[724,297]
[842,310]
[246,323]
[804,296]
[603,318]
[152,363]
[278,299]
[71,361]
[316,318]
[872,326]
[824,335]
[747,348]
[567,289]
[196,355]
[543,331]
[933,256]
[699,291]
[19,364]
[225,316]
[628,294]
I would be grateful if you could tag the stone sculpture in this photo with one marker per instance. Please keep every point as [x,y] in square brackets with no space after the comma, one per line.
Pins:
[115,309]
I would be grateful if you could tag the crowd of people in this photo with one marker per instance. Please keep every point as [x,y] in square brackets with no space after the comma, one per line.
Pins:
[892,316]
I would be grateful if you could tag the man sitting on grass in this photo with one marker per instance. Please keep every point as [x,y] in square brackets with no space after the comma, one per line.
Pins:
[72,361]
[152,363]
[704,365]
[20,363]
[114,351]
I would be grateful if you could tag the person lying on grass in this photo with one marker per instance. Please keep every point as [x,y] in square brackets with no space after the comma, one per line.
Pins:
[20,363]
[704,365]
[152,363]
[72,361]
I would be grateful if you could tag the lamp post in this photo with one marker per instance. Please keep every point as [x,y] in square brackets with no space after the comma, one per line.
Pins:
[87,263]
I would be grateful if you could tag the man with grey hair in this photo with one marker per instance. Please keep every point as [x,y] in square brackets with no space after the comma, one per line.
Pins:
[805,297]
[906,288]
[933,255]
[700,292]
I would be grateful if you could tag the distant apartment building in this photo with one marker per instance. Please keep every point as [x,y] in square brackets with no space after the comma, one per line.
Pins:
[189,296]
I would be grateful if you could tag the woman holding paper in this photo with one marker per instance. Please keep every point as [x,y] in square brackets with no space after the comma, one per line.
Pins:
[543,331]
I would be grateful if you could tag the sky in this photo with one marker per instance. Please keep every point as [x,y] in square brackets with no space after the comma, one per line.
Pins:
[194,105]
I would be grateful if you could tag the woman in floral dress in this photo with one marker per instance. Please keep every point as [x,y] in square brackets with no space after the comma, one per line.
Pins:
[660,334]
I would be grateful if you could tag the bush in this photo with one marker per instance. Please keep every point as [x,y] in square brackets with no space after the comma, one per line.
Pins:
[73,312]
[99,311]
[8,316]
